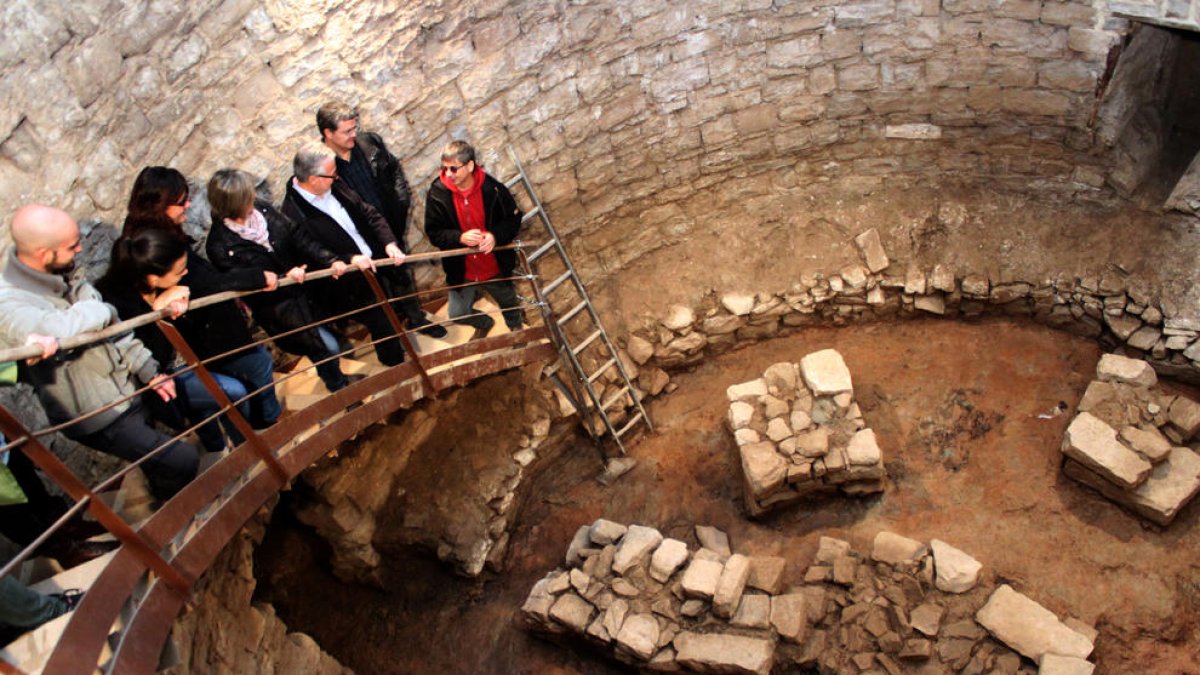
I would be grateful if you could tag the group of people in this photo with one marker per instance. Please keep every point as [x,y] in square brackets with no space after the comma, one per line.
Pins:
[345,206]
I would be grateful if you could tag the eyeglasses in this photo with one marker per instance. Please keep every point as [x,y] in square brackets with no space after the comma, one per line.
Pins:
[452,169]
[325,175]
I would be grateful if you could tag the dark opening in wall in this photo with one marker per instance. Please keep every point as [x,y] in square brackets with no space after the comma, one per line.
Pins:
[1150,118]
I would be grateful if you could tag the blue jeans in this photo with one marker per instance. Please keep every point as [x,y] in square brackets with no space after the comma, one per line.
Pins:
[330,372]
[237,375]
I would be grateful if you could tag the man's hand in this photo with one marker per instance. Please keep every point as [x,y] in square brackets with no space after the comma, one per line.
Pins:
[394,252]
[339,268]
[363,262]
[48,344]
[296,274]
[471,238]
[272,280]
[164,386]
[173,301]
[487,242]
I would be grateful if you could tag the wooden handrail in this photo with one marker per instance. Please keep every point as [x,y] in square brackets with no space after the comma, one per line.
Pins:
[30,351]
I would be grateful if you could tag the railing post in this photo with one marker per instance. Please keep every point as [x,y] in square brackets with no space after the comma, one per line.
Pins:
[252,438]
[393,319]
[53,467]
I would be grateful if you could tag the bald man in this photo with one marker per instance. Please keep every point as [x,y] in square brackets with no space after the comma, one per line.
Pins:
[37,296]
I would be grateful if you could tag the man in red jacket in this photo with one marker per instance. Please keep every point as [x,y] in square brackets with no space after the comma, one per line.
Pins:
[468,208]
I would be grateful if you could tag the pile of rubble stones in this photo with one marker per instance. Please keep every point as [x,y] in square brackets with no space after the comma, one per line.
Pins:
[1120,312]
[658,604]
[799,431]
[1127,441]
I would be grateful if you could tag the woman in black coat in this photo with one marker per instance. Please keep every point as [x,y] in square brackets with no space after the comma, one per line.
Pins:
[249,235]
[159,201]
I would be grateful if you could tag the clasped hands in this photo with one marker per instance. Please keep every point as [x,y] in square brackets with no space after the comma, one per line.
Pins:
[480,239]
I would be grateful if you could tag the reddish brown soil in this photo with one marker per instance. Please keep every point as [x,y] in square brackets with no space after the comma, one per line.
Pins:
[955,407]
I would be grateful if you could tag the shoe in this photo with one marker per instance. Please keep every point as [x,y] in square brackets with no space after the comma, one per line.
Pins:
[70,597]
[433,330]
[78,552]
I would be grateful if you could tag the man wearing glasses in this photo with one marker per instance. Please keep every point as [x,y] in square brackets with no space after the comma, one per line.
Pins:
[351,233]
[467,207]
[365,166]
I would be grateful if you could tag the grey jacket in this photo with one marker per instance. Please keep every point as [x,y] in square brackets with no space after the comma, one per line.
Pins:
[80,380]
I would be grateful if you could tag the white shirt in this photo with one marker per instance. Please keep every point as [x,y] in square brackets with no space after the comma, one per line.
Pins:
[330,206]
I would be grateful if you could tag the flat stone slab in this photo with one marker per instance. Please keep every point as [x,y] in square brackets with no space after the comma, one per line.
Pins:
[766,573]
[894,549]
[636,545]
[863,449]
[1114,368]
[701,577]
[825,373]
[1091,442]
[639,635]
[747,391]
[731,585]
[606,532]
[1185,415]
[572,611]
[667,558]
[754,611]
[764,468]
[720,653]
[872,250]
[1148,443]
[956,572]
[1170,486]
[1028,628]
[789,616]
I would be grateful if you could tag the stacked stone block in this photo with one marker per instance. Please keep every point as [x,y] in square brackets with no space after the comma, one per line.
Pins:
[904,607]
[1127,441]
[799,431]
[655,603]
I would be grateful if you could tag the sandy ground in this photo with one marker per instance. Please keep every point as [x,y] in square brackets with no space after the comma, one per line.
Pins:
[955,407]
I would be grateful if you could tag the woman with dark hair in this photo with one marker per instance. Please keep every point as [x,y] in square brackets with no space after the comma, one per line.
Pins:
[253,235]
[159,201]
[144,276]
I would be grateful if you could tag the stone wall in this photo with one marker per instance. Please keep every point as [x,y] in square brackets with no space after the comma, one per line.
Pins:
[1184,14]
[607,103]
[226,632]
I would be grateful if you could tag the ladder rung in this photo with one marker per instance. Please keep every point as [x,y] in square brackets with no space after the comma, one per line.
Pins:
[512,181]
[615,397]
[541,250]
[609,364]
[584,345]
[562,321]
[531,214]
[629,425]
[556,283]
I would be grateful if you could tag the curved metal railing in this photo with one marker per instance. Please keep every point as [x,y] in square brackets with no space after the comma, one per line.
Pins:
[147,581]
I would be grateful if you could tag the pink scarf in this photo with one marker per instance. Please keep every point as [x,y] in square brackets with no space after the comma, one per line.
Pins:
[254,229]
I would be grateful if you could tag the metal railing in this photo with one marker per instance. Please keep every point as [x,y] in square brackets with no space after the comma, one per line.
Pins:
[151,574]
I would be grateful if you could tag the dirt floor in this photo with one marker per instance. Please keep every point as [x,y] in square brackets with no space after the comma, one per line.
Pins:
[956,408]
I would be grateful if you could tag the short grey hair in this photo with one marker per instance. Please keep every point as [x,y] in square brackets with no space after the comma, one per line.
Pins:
[459,151]
[308,160]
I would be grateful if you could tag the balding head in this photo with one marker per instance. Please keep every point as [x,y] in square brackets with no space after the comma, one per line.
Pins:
[46,238]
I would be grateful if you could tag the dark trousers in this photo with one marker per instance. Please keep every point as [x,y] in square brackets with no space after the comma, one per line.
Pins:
[462,304]
[22,523]
[131,437]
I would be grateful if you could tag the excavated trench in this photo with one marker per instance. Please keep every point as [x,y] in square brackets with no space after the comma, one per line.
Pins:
[956,407]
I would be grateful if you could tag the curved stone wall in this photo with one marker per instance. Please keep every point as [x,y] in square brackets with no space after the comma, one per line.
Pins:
[607,102]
